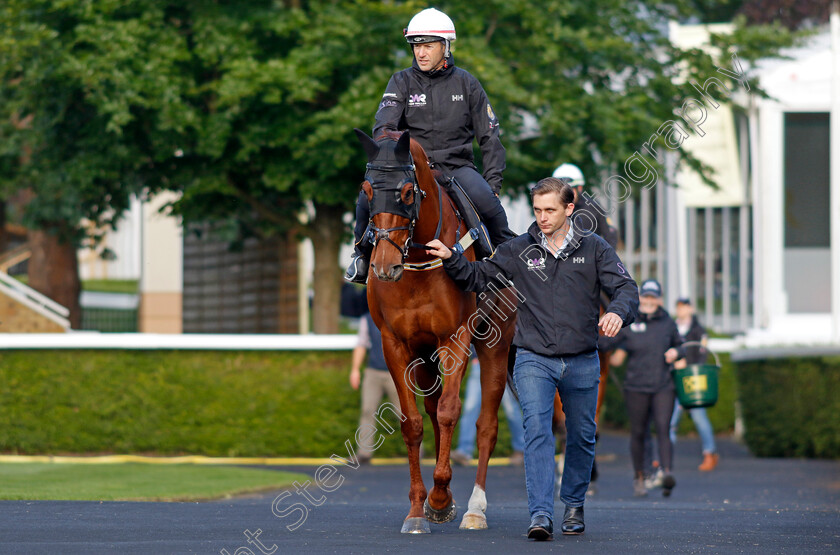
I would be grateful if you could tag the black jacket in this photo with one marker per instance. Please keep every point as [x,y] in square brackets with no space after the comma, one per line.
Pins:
[444,110]
[589,216]
[646,341]
[695,354]
[560,312]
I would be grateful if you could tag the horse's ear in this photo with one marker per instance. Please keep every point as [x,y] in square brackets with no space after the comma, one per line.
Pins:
[403,149]
[370,146]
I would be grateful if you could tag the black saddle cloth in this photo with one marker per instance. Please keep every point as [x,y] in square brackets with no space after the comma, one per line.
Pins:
[482,245]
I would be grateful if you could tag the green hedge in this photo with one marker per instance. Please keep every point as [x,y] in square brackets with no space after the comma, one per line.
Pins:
[722,414]
[216,403]
[791,406]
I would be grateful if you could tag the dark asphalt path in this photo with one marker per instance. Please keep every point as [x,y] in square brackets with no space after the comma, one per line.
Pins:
[747,505]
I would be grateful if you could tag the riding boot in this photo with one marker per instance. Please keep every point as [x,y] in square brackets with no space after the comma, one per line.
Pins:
[357,271]
[497,227]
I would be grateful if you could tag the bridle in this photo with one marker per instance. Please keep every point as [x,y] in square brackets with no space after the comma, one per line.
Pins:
[384,203]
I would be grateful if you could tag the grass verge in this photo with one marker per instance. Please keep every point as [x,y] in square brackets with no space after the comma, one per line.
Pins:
[134,482]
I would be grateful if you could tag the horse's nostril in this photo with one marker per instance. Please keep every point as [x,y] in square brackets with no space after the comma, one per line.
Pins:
[396,272]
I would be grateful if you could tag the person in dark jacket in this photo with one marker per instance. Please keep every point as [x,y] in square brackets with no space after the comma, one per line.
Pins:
[650,346]
[558,277]
[444,108]
[691,330]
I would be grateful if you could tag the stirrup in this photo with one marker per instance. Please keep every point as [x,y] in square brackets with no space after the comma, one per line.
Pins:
[357,271]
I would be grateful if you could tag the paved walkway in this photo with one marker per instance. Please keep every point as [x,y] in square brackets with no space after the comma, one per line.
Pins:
[747,505]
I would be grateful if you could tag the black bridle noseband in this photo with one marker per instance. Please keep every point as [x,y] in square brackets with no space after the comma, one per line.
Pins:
[388,204]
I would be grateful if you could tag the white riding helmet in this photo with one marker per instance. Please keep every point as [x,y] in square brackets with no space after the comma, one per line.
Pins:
[571,173]
[430,25]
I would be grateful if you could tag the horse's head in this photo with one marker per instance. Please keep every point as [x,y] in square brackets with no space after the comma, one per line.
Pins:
[394,197]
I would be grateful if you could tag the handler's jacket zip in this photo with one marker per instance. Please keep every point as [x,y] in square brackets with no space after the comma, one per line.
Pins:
[560,311]
[444,110]
[646,341]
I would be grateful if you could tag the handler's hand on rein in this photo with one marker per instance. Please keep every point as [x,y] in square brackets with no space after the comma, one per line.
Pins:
[611,324]
[438,249]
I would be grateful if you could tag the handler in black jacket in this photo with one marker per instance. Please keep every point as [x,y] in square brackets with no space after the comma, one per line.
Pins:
[445,108]
[650,346]
[559,275]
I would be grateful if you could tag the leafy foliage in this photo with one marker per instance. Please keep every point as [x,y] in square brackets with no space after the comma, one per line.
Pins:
[188,402]
[791,406]
[247,108]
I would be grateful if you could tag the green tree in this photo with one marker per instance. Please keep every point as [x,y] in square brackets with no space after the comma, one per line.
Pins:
[247,107]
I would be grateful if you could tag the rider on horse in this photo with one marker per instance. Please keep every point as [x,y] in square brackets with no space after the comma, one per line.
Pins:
[445,108]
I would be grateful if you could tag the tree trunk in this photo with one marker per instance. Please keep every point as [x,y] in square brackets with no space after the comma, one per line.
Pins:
[326,232]
[4,239]
[54,272]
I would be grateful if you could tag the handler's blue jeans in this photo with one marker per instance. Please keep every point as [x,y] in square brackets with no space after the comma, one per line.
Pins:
[537,378]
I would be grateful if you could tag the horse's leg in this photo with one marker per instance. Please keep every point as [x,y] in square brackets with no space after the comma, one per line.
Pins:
[558,423]
[440,506]
[604,361]
[430,403]
[602,389]
[602,386]
[493,381]
[399,361]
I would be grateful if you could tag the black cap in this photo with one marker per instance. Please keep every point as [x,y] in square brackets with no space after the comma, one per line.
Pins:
[650,288]
[683,300]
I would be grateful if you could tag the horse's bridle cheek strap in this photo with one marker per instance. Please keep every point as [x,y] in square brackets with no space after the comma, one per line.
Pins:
[387,199]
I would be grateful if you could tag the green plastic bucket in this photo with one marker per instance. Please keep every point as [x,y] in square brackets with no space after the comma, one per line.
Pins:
[697,384]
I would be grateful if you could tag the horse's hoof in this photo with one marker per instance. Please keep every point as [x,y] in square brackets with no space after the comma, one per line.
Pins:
[473,521]
[439,517]
[416,525]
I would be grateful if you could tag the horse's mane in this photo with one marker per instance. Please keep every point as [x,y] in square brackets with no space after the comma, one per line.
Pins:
[417,151]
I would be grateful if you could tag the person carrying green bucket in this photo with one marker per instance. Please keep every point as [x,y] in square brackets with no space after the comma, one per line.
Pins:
[696,383]
[650,346]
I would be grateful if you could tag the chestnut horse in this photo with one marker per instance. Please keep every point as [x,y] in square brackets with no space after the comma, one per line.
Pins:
[427,322]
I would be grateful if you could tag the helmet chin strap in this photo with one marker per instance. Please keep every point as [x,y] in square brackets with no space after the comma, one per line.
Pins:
[445,55]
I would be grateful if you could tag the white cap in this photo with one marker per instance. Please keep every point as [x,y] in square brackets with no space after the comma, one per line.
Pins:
[571,173]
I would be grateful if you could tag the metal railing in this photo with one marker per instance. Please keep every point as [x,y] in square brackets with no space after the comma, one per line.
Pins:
[36,301]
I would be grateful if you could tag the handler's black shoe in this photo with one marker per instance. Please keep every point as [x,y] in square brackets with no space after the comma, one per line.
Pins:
[573,521]
[357,271]
[541,529]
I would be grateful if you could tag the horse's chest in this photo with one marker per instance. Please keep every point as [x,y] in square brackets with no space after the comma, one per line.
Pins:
[424,322]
